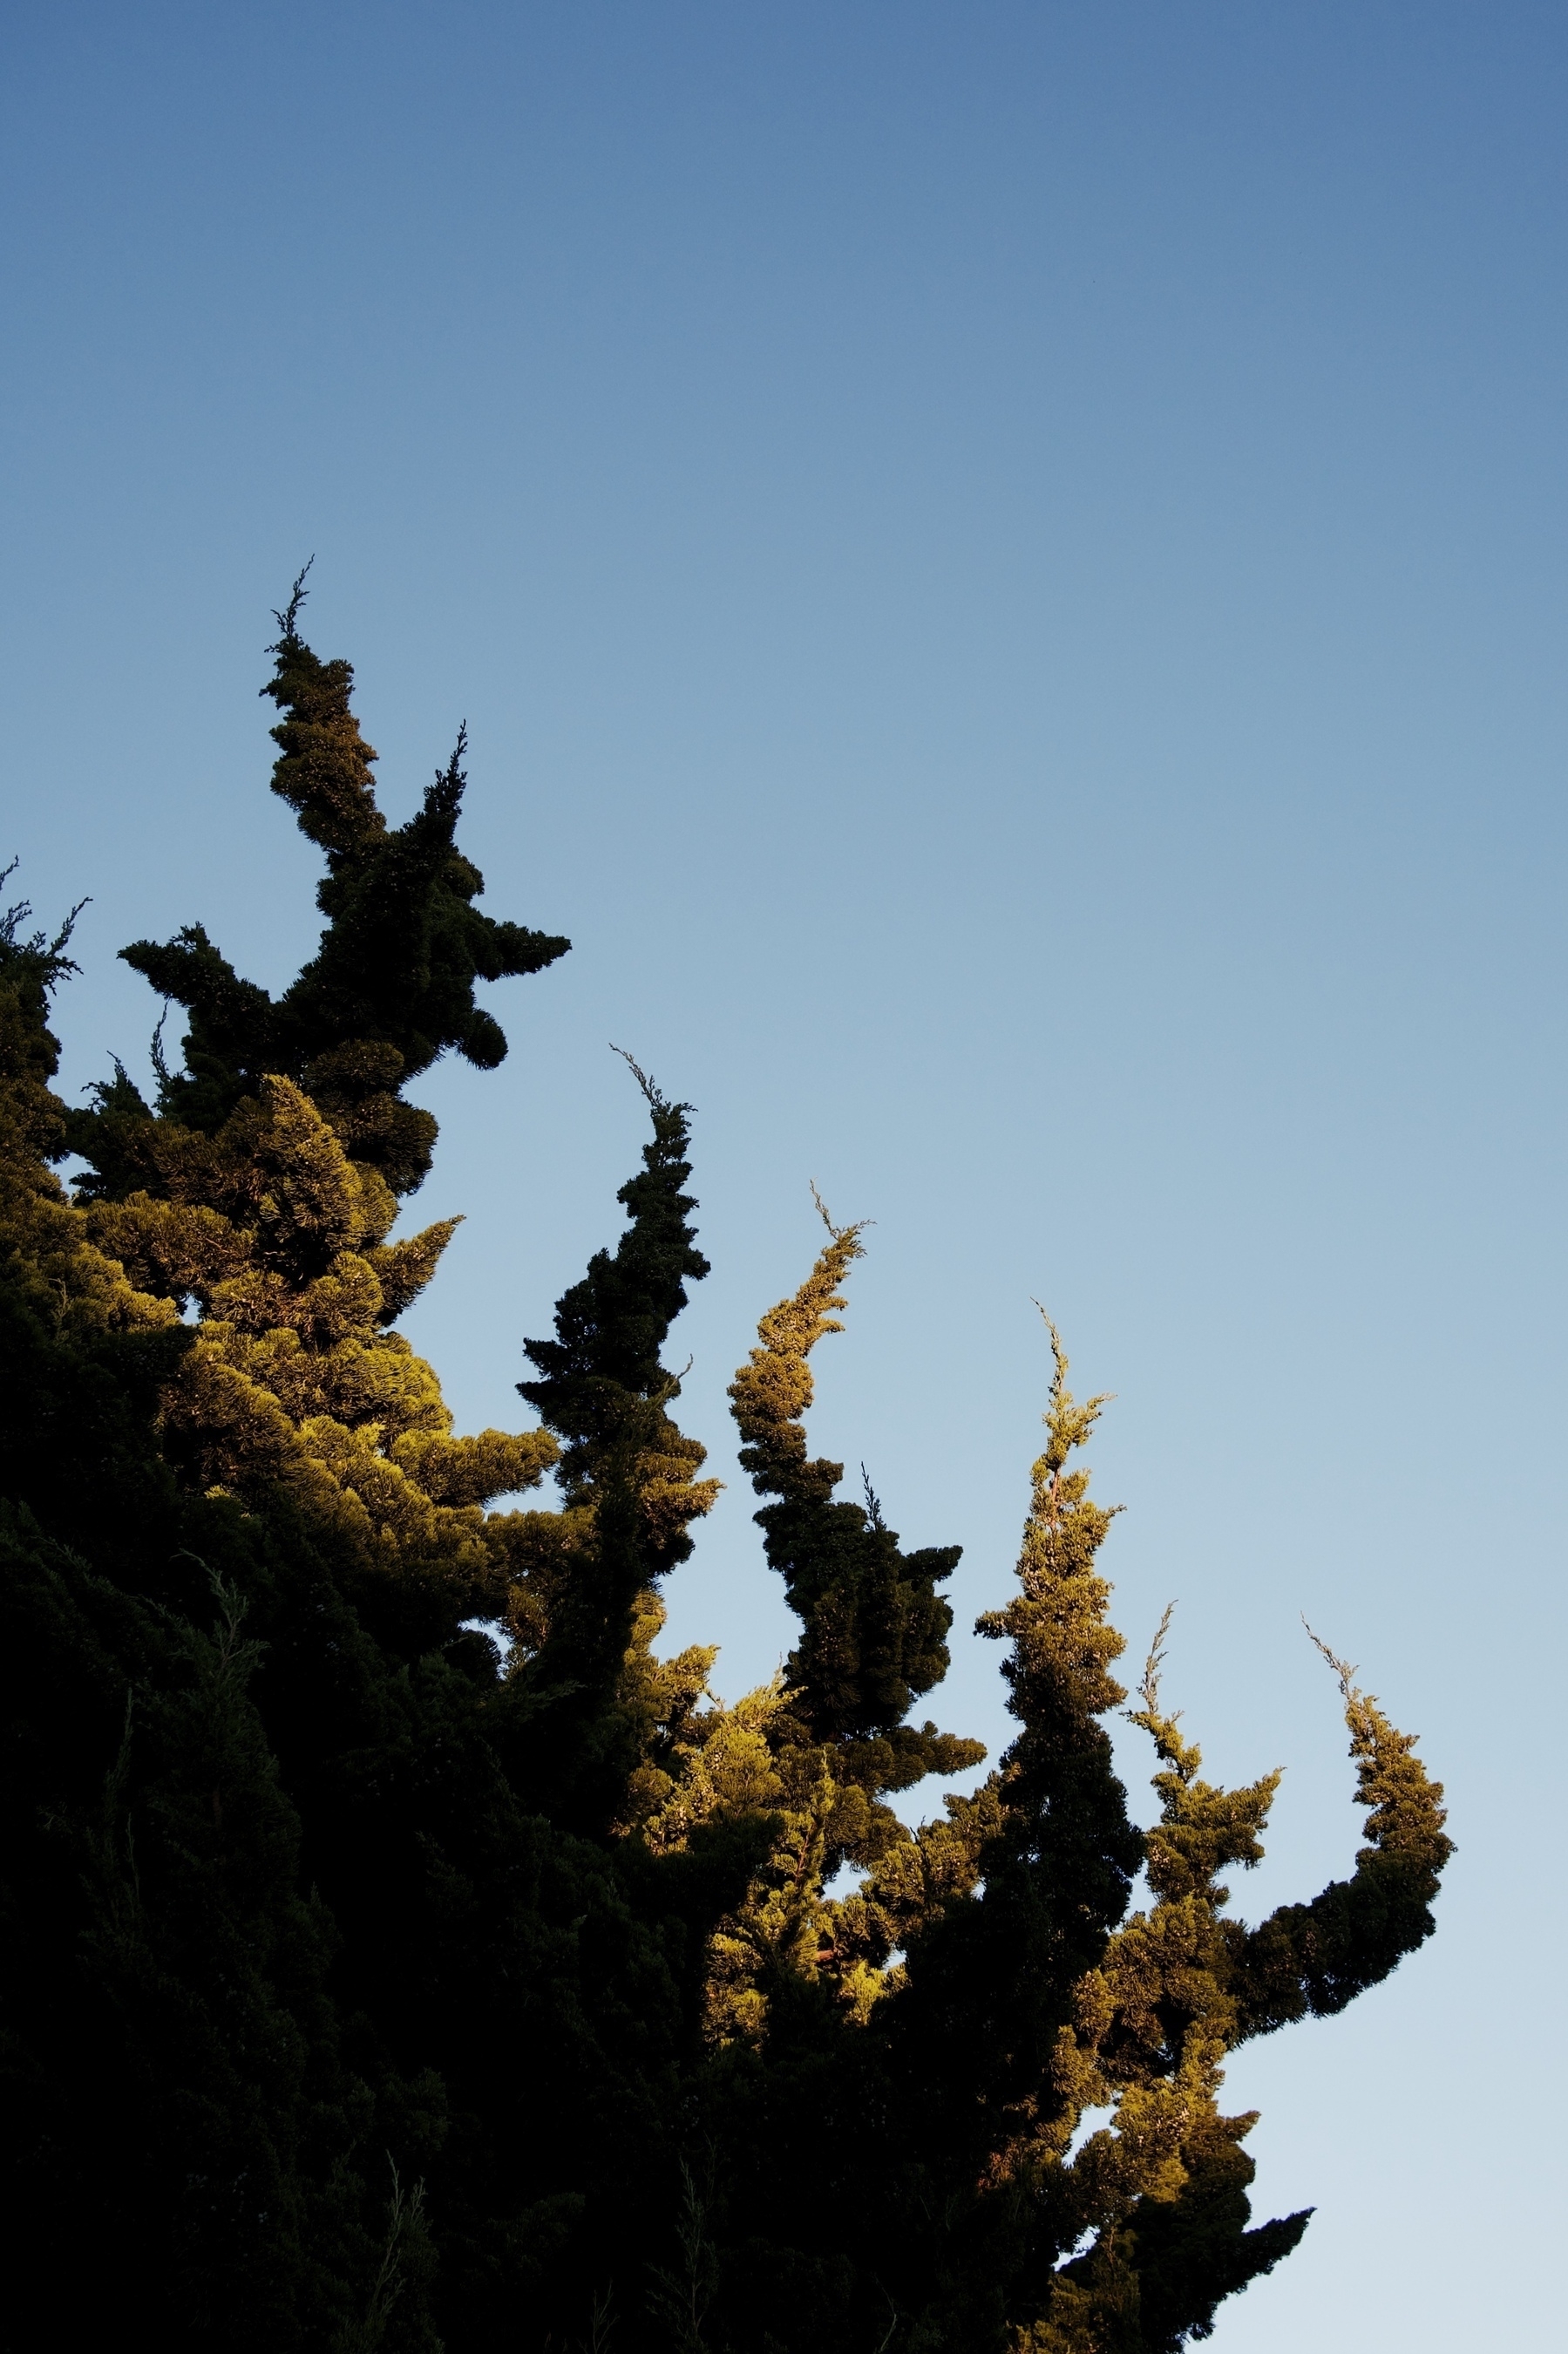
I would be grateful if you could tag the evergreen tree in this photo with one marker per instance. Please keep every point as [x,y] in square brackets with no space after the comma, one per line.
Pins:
[373,1983]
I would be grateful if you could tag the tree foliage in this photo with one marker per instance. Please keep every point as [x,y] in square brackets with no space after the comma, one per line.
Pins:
[401,1949]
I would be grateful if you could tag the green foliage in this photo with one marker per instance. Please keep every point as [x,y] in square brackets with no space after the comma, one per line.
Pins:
[372,1983]
[873,1627]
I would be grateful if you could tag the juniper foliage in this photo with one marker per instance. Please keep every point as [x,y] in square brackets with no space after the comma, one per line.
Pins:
[372,1979]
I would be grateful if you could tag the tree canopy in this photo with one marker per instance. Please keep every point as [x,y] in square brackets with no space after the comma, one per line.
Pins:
[402,1950]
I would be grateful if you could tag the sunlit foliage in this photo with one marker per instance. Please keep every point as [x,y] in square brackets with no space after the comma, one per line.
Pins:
[401,1950]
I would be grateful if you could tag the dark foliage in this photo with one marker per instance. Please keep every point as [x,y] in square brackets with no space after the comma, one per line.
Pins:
[400,1950]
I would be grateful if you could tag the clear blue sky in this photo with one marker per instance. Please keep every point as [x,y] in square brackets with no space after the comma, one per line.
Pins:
[1004,564]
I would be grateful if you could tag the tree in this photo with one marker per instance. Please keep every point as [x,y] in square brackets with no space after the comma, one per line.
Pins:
[401,1947]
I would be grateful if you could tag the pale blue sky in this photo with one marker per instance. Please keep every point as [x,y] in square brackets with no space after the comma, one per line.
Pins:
[1004,567]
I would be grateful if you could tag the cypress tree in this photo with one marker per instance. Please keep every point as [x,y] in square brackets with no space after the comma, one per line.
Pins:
[377,1983]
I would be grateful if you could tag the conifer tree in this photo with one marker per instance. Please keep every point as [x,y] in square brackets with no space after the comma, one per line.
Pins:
[376,1989]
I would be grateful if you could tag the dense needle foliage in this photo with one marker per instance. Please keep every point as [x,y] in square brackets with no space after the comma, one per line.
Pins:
[370,1982]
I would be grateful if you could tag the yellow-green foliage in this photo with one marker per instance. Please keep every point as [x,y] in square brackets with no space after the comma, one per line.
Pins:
[278,1240]
[772,1391]
[44,1237]
[570,1926]
[1180,1984]
[1056,1622]
[766,1755]
[1179,1989]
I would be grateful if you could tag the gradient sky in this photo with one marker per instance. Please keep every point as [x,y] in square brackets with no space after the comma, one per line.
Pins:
[1004,566]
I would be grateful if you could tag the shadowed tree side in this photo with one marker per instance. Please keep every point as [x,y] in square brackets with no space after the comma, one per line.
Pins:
[583,1578]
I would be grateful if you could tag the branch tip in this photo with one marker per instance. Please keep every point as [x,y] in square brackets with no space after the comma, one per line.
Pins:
[838,1233]
[1342,1668]
[289,615]
[1148,1689]
[1058,1353]
[648,1087]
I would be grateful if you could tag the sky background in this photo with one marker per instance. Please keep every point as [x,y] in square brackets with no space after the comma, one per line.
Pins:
[1005,567]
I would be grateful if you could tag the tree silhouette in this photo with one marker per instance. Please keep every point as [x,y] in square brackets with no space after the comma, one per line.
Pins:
[402,1950]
